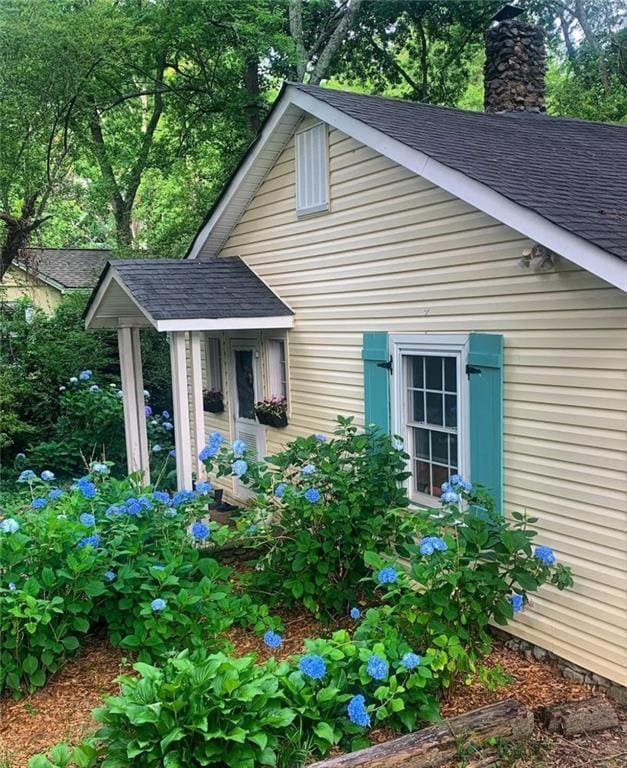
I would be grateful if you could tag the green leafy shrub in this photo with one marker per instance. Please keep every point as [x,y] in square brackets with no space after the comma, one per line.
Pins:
[321,504]
[94,552]
[208,710]
[470,567]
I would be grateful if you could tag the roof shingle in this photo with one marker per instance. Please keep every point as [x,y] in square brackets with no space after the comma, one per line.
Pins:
[70,267]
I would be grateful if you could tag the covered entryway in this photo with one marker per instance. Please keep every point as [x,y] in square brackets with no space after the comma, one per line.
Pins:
[183,299]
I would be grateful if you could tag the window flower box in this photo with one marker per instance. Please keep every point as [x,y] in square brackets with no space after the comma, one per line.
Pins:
[272,412]
[213,400]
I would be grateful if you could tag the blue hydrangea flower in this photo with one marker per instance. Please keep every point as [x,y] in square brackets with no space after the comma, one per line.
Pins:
[431,544]
[204,487]
[168,426]
[9,525]
[113,510]
[312,495]
[39,503]
[166,414]
[62,388]
[20,456]
[200,531]
[272,639]
[85,375]
[162,496]
[158,604]
[377,667]
[47,475]
[308,469]
[517,602]
[239,467]
[449,497]
[251,530]
[320,437]
[313,666]
[545,555]
[157,448]
[110,575]
[55,494]
[147,411]
[172,453]
[182,497]
[87,519]
[357,712]
[87,488]
[355,613]
[238,447]
[466,485]
[279,491]
[73,380]
[94,388]
[158,567]
[89,541]
[387,575]
[26,476]
[146,394]
[410,660]
[11,586]
[99,468]
[455,480]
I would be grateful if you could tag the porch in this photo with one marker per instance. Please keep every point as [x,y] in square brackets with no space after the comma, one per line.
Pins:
[185,299]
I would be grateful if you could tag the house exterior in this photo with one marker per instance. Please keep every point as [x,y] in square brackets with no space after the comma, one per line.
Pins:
[44,275]
[458,279]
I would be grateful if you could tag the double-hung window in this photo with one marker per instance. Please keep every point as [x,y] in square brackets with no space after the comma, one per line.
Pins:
[431,410]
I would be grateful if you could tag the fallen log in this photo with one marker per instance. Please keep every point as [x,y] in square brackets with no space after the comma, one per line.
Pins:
[439,744]
[584,716]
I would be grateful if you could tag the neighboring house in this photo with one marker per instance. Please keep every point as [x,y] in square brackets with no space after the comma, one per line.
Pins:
[44,274]
[456,278]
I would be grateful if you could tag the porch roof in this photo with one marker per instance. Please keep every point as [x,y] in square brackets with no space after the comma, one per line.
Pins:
[218,293]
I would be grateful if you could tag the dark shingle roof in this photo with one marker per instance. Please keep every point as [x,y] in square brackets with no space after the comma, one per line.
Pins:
[571,172]
[217,287]
[70,267]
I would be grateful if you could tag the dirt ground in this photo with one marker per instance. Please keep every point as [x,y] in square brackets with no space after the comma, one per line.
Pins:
[61,710]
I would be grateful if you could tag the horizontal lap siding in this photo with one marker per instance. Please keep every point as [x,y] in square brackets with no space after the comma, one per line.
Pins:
[398,254]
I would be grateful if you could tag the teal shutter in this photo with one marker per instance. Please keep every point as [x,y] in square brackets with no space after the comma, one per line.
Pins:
[485,370]
[376,380]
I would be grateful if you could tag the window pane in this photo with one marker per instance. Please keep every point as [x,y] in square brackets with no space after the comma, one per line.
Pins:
[421,443]
[214,364]
[245,380]
[453,443]
[415,371]
[419,406]
[434,372]
[450,374]
[451,410]
[439,447]
[421,474]
[277,373]
[434,408]
[440,475]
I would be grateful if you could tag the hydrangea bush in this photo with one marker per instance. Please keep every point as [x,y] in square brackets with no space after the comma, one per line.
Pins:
[321,503]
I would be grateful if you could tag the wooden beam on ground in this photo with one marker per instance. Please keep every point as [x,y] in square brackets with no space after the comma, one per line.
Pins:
[440,744]
[585,716]
[180,407]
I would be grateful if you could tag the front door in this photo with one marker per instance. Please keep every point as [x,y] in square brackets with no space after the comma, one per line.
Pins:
[246,392]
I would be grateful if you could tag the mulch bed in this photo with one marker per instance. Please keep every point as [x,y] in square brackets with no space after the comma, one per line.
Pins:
[61,710]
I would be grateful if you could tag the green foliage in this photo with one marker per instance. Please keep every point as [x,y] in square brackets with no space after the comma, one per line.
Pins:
[212,709]
[315,549]
[56,580]
[39,354]
[448,596]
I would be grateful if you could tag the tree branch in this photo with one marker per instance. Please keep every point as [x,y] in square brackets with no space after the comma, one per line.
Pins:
[335,41]
[296,31]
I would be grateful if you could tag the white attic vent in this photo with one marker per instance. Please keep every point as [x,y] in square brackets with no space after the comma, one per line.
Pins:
[312,170]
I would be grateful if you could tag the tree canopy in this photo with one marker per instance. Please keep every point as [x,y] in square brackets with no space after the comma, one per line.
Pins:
[122,118]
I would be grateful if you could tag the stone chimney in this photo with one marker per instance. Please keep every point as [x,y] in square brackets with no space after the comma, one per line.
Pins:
[514,67]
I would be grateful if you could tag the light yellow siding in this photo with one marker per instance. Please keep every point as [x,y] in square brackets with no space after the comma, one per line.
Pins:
[396,253]
[17,284]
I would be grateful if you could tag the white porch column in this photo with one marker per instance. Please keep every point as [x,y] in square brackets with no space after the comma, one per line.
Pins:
[133,402]
[182,437]
[198,412]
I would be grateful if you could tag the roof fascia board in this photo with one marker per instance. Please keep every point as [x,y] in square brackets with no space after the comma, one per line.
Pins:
[226,323]
[112,276]
[592,258]
[235,182]
[41,276]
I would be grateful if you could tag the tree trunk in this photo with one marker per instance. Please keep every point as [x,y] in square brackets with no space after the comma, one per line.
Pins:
[17,230]
[441,744]
[251,83]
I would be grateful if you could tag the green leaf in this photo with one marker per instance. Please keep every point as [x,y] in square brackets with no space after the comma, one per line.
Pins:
[30,664]
[325,732]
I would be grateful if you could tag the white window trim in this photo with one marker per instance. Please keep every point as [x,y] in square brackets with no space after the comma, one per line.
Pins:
[402,345]
[326,205]
[267,341]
